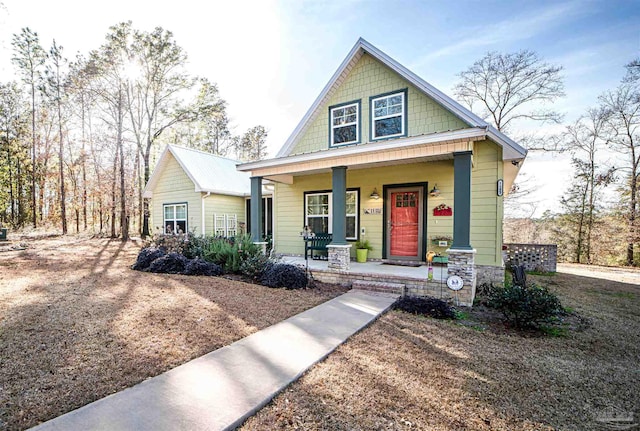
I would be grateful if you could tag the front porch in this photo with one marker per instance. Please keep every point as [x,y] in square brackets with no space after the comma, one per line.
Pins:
[382,277]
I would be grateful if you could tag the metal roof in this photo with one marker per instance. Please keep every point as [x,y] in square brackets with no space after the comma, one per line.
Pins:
[208,172]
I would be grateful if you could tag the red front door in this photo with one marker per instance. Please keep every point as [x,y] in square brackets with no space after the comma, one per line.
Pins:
[404,224]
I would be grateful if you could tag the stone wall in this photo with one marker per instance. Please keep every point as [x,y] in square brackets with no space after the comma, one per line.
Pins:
[490,274]
[534,257]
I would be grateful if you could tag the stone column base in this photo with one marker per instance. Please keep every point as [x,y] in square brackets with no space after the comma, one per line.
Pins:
[262,245]
[462,264]
[339,257]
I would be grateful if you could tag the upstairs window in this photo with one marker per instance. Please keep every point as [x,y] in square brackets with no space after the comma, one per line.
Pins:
[389,115]
[344,123]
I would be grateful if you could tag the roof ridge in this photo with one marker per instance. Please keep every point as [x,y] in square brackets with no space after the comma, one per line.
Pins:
[180,147]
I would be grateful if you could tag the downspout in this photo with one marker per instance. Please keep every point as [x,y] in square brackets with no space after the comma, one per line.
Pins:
[204,229]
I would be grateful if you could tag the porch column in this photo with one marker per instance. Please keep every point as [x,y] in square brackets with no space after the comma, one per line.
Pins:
[339,249]
[461,262]
[256,209]
[339,189]
[462,200]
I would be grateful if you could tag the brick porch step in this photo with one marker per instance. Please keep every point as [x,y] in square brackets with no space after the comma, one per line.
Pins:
[380,286]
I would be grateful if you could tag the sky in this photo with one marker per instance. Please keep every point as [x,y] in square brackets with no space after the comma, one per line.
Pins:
[271,59]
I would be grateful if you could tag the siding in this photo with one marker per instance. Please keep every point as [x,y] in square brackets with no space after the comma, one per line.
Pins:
[174,186]
[223,204]
[289,202]
[486,211]
[369,78]
[486,206]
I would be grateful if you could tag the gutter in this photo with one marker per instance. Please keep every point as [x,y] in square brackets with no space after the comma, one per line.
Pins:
[204,229]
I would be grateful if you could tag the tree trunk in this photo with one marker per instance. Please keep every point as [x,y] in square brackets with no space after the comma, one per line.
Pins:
[124,219]
[113,194]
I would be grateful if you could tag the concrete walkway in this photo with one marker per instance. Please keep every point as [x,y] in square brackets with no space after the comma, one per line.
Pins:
[220,390]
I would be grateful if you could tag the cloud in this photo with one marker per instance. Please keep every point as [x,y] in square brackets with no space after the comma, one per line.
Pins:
[524,26]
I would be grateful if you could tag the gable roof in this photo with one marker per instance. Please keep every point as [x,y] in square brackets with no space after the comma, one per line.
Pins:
[511,149]
[208,172]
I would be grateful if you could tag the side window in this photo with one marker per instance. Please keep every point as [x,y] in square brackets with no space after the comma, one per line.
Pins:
[175,218]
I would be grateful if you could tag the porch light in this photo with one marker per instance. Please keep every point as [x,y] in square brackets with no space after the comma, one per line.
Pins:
[435,191]
[374,194]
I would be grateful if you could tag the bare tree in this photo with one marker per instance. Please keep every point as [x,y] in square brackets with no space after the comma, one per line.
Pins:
[510,87]
[622,108]
[153,95]
[54,89]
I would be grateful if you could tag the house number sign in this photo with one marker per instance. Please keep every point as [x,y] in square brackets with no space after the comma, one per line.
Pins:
[455,282]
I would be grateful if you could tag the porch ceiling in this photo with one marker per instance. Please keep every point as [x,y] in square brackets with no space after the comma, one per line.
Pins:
[411,150]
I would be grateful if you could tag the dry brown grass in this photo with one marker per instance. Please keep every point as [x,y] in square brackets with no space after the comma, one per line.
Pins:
[76,324]
[412,373]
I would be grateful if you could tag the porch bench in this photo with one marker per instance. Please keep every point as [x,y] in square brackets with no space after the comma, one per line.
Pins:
[318,242]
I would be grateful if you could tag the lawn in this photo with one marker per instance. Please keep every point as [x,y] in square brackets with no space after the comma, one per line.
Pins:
[406,372]
[76,324]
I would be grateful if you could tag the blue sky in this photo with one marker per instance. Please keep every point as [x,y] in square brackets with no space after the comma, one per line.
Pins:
[272,58]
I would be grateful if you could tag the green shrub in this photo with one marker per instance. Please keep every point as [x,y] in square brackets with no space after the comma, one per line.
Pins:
[284,275]
[426,306]
[526,307]
[254,266]
[223,252]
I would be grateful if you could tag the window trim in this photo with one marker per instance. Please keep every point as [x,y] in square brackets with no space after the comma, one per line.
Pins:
[355,190]
[174,220]
[358,123]
[405,117]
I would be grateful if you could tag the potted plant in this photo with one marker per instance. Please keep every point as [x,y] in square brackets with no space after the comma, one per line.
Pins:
[362,248]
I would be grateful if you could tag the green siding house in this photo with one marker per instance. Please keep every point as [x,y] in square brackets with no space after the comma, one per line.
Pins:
[194,191]
[382,155]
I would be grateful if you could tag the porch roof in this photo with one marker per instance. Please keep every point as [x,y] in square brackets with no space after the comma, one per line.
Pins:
[432,147]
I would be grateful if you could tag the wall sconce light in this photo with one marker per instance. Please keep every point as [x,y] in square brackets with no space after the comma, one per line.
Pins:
[374,194]
[435,191]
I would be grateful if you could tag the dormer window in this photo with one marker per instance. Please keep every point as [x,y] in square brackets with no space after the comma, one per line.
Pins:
[344,124]
[389,115]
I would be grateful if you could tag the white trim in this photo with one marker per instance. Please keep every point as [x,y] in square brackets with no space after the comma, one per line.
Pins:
[355,123]
[383,117]
[372,147]
[512,149]
[329,214]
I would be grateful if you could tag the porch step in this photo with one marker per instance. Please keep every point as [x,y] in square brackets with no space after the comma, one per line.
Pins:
[380,286]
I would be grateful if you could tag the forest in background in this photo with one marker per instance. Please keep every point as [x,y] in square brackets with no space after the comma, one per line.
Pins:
[79,138]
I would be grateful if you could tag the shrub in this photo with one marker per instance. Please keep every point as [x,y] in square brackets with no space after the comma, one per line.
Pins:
[200,266]
[221,251]
[171,263]
[526,307]
[426,306]
[255,266]
[284,275]
[146,257]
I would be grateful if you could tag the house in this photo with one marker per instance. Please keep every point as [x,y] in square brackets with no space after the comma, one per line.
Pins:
[383,155]
[194,191]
